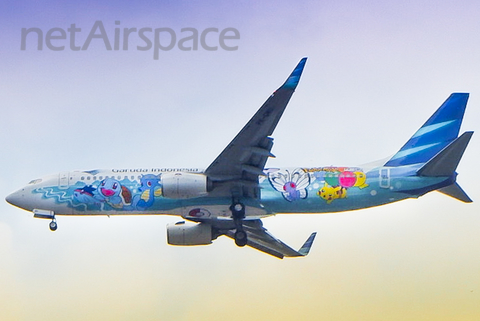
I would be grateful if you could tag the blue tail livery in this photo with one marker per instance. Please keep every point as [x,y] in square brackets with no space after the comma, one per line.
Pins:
[236,191]
[439,131]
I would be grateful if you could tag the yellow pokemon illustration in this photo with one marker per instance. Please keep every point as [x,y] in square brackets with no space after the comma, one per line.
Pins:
[330,193]
[361,180]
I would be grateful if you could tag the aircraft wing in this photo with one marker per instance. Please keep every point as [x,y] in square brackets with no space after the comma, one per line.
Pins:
[235,171]
[259,238]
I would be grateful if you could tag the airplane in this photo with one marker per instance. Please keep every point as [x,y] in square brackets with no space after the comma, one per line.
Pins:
[236,191]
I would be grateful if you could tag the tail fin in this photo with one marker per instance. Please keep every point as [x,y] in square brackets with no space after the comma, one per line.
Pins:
[438,132]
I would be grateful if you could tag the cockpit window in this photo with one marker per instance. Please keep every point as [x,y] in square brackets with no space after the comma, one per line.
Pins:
[35,181]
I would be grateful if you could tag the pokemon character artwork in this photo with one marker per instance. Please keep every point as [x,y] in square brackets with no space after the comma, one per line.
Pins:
[334,182]
[108,193]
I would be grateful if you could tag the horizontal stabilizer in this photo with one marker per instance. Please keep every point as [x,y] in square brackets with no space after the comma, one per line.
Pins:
[455,191]
[446,161]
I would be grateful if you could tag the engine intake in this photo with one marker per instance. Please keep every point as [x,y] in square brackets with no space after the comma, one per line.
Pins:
[181,185]
[183,234]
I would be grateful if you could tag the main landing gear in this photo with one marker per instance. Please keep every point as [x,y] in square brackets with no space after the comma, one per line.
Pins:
[238,214]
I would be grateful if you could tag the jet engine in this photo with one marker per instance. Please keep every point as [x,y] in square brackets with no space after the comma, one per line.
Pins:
[191,234]
[182,185]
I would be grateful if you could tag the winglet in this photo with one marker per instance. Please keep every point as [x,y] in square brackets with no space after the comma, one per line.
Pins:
[294,78]
[305,249]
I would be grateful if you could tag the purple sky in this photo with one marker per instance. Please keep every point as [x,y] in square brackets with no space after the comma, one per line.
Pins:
[376,71]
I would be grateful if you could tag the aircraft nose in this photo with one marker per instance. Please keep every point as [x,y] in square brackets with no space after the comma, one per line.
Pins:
[15,198]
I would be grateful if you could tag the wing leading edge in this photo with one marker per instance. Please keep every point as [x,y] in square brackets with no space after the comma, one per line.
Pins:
[234,173]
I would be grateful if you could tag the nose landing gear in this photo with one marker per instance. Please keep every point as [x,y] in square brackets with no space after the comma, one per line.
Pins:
[45,214]
[53,225]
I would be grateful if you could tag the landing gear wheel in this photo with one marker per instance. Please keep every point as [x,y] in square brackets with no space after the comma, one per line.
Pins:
[241,238]
[53,226]
[238,207]
[238,210]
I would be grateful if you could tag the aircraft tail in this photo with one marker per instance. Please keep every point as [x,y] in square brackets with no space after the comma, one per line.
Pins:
[439,131]
[437,146]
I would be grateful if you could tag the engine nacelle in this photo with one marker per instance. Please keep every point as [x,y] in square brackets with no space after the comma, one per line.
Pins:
[181,185]
[183,234]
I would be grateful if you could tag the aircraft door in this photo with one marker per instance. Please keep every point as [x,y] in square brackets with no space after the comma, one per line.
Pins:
[384,177]
[63,180]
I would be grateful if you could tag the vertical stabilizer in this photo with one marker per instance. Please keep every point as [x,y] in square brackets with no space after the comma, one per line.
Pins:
[439,131]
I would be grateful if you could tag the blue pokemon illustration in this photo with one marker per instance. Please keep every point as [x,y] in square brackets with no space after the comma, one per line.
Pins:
[150,188]
[114,194]
[86,195]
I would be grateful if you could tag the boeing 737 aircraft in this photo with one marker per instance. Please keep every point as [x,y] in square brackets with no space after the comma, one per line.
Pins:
[236,191]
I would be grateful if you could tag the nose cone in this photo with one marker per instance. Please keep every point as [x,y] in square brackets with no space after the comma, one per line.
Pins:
[14,198]
[17,199]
